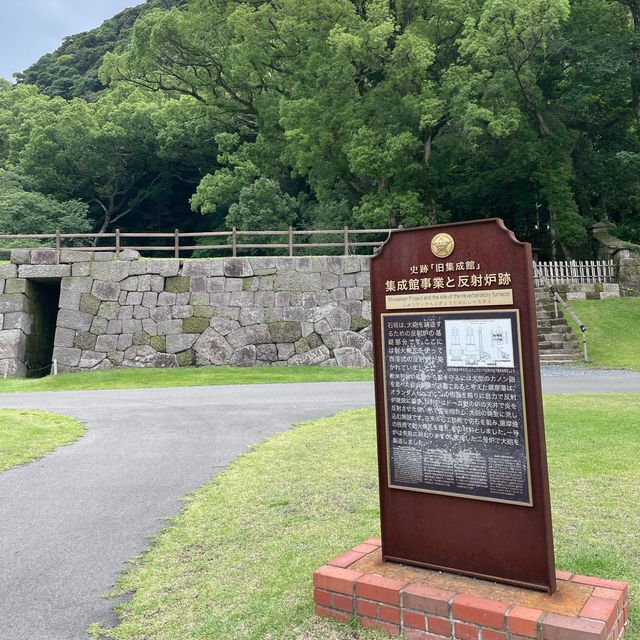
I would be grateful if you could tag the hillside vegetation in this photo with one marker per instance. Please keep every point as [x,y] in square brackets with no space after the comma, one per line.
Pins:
[320,113]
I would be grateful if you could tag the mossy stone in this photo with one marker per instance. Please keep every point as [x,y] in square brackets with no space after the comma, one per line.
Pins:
[141,339]
[89,304]
[177,284]
[246,284]
[301,346]
[85,340]
[186,358]
[159,343]
[366,293]
[285,331]
[202,312]
[15,285]
[314,340]
[358,323]
[194,324]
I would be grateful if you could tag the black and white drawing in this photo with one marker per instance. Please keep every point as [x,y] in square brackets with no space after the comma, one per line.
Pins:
[479,343]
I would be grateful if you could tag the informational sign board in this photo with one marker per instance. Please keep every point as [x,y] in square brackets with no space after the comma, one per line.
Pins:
[462,460]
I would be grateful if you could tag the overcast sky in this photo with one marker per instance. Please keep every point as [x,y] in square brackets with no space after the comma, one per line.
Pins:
[31,28]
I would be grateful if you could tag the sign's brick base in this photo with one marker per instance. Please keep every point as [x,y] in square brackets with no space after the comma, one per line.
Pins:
[429,605]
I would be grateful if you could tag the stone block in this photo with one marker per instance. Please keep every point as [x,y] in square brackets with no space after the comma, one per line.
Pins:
[307,328]
[140,356]
[180,342]
[322,327]
[177,284]
[202,311]
[91,359]
[313,340]
[129,255]
[301,346]
[81,269]
[285,331]
[44,256]
[195,325]
[138,268]
[312,357]
[44,271]
[13,345]
[116,358]
[125,340]
[160,314]
[609,294]
[232,284]
[166,299]
[272,314]
[285,351]
[131,325]
[118,271]
[348,280]
[84,340]
[20,256]
[114,327]
[287,281]
[100,270]
[83,284]
[71,256]
[144,283]
[311,282]
[199,299]
[150,299]
[130,283]
[255,334]
[367,351]
[125,313]
[106,291]
[122,298]
[166,361]
[134,298]
[233,313]
[141,338]
[140,313]
[64,337]
[237,268]
[200,268]
[157,283]
[8,271]
[186,358]
[576,295]
[266,283]
[295,314]
[70,300]
[107,343]
[159,343]
[150,326]
[77,320]
[15,285]
[182,311]
[215,284]
[104,256]
[99,325]
[262,266]
[223,326]
[264,299]
[251,315]
[211,347]
[242,299]
[363,279]
[67,357]
[332,340]
[243,356]
[282,298]
[18,320]
[167,267]
[198,284]
[267,352]
[109,310]
[355,293]
[169,327]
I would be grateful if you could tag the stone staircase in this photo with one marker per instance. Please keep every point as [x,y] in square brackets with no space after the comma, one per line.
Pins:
[556,342]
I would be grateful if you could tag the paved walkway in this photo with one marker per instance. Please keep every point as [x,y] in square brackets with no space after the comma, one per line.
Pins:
[70,521]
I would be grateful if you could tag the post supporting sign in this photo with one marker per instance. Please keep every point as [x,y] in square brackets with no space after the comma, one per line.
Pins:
[461,449]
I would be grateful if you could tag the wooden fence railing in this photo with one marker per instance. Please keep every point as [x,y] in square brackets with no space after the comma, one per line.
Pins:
[573,272]
[288,240]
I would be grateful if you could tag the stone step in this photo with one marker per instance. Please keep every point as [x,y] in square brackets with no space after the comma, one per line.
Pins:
[547,328]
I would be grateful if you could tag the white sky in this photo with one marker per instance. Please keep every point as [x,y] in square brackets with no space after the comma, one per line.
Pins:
[31,28]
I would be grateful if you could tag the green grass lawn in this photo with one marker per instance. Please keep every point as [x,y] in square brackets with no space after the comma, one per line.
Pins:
[613,331]
[27,435]
[238,562]
[183,377]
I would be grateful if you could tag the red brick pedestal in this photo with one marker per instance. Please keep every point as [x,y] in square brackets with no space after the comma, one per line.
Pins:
[422,604]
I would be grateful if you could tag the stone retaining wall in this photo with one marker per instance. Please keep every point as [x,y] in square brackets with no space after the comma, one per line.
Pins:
[133,312]
[628,269]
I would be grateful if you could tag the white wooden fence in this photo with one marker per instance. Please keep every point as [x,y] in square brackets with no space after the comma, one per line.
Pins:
[573,272]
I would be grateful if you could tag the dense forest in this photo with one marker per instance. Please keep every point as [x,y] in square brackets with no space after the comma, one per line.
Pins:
[207,114]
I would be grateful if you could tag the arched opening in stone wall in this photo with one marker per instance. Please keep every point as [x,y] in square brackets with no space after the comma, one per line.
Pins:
[44,301]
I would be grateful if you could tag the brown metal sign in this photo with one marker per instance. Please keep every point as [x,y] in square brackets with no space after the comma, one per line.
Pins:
[461,450]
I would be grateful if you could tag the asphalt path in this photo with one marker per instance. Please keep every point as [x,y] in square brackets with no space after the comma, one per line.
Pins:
[70,521]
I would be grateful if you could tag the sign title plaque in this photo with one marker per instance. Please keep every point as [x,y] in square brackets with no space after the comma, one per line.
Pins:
[462,461]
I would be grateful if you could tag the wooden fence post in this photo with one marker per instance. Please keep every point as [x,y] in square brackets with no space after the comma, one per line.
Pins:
[117,242]
[346,241]
[234,242]
[176,244]
[58,242]
[290,242]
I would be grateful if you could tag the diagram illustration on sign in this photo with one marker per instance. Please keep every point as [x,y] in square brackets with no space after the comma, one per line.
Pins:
[479,343]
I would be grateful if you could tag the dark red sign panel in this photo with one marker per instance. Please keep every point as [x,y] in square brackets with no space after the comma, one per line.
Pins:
[462,459]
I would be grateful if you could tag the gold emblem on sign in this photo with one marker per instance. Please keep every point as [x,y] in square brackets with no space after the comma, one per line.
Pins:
[442,245]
